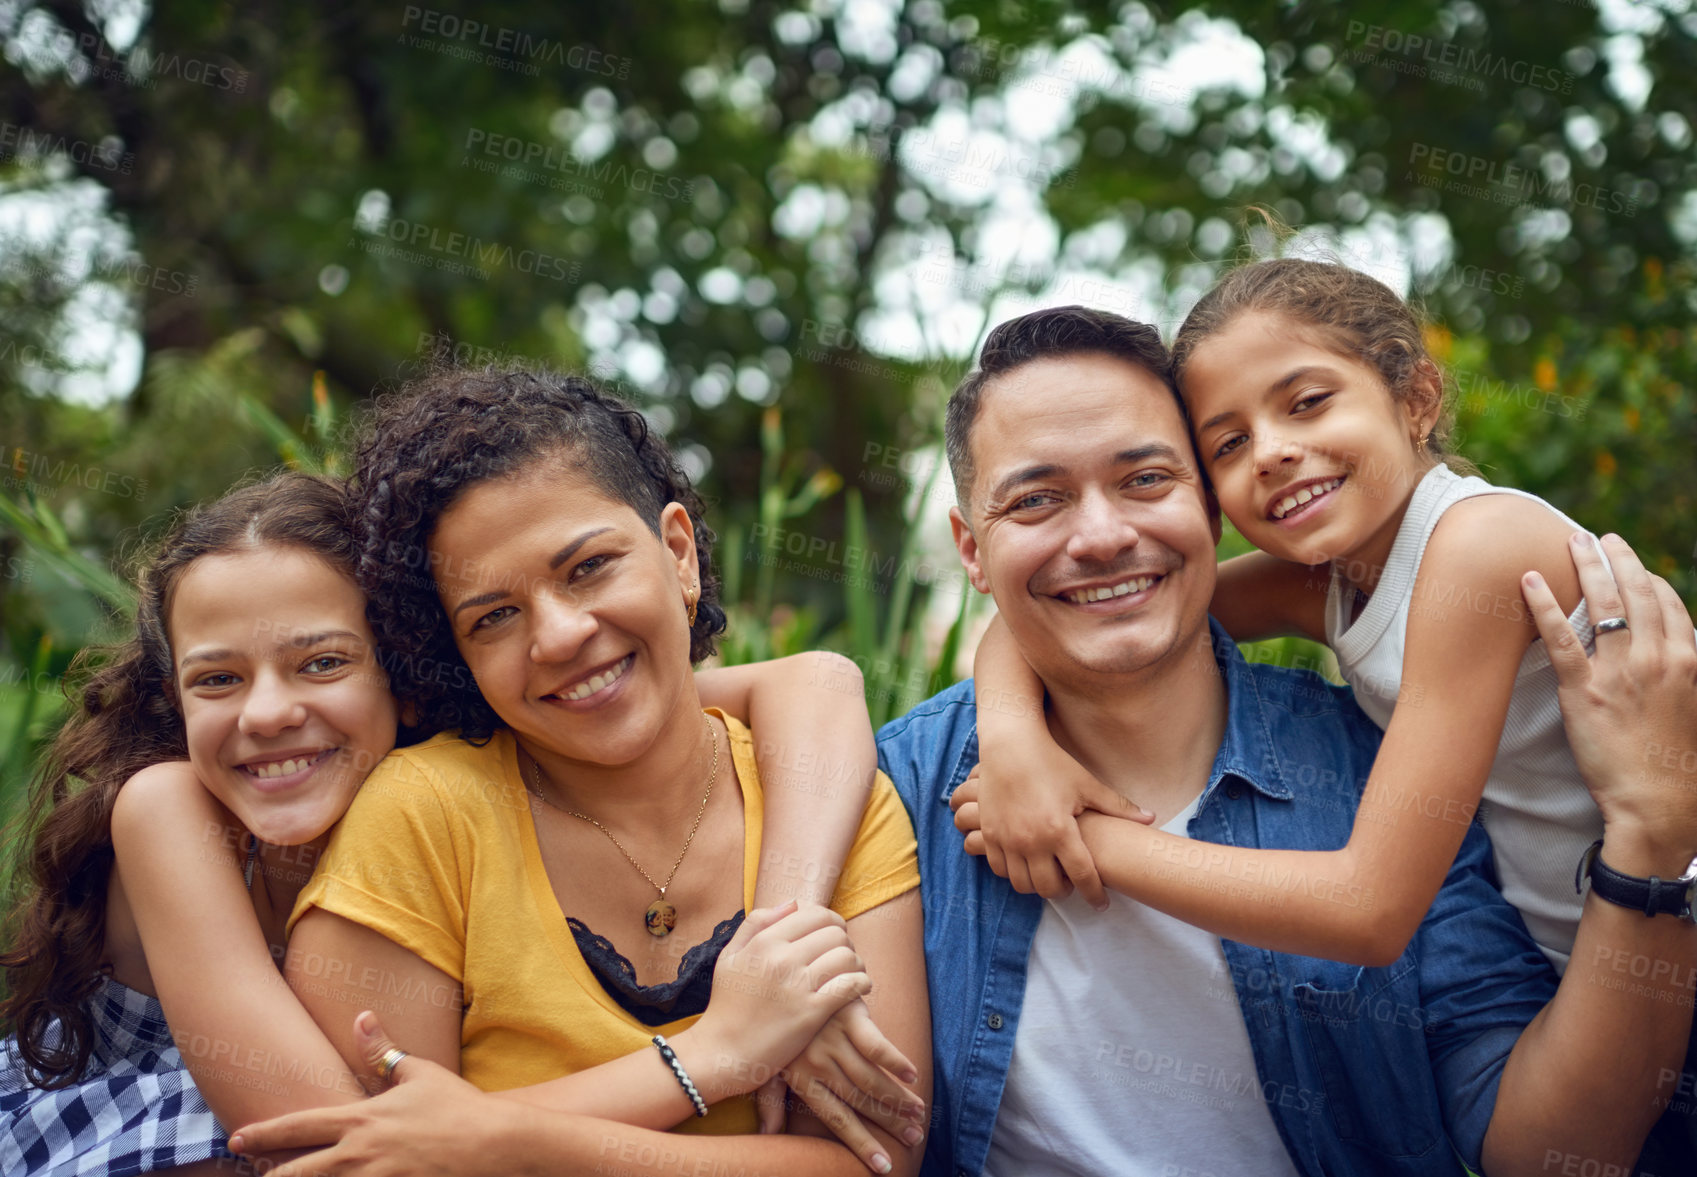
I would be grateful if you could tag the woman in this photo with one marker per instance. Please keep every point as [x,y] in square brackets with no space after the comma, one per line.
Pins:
[534,901]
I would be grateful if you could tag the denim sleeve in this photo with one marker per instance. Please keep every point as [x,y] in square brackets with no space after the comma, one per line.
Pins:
[915,750]
[1482,980]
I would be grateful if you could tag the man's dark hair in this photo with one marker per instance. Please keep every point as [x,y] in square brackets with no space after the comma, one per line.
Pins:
[1043,335]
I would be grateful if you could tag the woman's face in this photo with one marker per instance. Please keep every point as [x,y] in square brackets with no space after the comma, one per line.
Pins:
[569,611]
[285,707]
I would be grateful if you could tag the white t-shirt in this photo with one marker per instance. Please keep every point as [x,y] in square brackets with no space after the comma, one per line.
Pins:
[1131,1057]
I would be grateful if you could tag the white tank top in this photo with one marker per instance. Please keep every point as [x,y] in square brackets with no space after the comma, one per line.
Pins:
[1536,807]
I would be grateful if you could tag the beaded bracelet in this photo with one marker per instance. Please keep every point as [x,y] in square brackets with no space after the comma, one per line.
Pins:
[667,1053]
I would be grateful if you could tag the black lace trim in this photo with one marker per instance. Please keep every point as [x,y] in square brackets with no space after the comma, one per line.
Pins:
[655,1005]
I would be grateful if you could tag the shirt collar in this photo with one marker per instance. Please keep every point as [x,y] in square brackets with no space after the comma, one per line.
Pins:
[1250,751]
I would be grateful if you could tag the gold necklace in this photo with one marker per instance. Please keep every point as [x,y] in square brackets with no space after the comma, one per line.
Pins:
[661,917]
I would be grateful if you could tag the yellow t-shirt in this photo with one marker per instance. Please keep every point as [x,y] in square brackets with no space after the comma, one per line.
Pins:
[438,853]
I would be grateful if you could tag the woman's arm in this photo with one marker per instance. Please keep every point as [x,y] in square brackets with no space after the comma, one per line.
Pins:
[1592,1071]
[1362,903]
[432,1122]
[816,756]
[435,1122]
[781,977]
[251,1047]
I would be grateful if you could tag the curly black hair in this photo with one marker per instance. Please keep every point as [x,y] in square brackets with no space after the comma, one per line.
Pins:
[425,445]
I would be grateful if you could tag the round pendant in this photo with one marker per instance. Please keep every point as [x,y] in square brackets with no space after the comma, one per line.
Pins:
[661,917]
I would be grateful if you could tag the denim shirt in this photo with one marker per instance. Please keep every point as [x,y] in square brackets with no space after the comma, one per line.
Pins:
[1370,1071]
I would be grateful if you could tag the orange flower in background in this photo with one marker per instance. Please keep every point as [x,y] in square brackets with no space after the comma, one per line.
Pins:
[1438,341]
[1544,375]
[1630,414]
[1606,464]
[1653,276]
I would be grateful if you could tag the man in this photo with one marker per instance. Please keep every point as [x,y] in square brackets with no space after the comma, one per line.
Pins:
[1068,1041]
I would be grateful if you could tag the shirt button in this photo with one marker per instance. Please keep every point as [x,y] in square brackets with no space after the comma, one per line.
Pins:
[994,1021]
[1234,791]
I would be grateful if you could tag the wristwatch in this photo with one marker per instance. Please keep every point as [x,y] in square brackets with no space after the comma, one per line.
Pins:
[1652,896]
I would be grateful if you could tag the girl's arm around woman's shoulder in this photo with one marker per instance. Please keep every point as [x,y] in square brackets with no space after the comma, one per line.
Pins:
[252,1049]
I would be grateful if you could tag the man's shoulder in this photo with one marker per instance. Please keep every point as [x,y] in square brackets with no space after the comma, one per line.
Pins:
[917,750]
[950,711]
[1299,701]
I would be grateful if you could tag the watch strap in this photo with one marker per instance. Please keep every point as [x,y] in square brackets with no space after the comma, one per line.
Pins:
[1652,896]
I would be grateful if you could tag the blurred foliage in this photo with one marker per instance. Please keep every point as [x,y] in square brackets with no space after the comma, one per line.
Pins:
[722,208]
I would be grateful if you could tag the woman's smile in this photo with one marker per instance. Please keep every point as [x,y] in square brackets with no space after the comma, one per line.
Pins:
[595,689]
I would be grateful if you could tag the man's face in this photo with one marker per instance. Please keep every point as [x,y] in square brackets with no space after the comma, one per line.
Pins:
[1089,521]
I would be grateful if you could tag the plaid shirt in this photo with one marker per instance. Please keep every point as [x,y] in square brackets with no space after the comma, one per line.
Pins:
[135,1110]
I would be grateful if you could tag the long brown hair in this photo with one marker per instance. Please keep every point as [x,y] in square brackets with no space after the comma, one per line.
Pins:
[124,719]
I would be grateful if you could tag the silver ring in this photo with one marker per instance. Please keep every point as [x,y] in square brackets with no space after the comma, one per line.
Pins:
[1609,625]
[390,1060]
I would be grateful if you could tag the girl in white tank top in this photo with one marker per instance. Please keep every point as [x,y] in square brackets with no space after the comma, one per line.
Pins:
[1317,415]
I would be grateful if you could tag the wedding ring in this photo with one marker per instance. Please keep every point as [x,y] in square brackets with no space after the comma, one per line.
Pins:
[1609,625]
[390,1060]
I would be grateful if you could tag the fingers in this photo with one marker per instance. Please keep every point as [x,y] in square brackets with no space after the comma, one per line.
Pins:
[309,1129]
[831,964]
[865,1036]
[769,1104]
[1634,590]
[313,1165]
[1047,878]
[1080,866]
[966,791]
[1093,794]
[848,1127]
[844,988]
[1602,595]
[966,817]
[1019,875]
[1676,622]
[1567,656]
[758,921]
[375,1044]
[875,1096]
[795,928]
